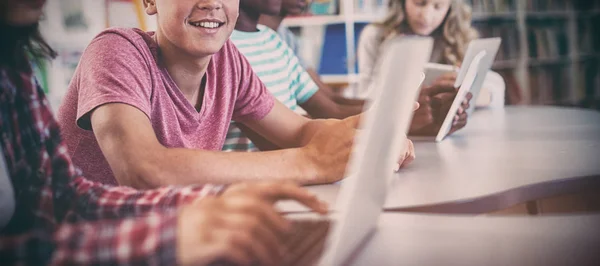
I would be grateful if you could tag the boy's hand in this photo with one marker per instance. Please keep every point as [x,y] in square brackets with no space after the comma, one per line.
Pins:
[329,149]
[435,102]
[408,156]
[241,226]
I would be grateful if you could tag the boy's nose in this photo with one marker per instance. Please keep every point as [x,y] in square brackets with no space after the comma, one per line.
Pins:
[209,4]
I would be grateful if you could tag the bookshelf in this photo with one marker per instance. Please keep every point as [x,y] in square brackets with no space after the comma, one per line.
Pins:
[550,52]
[550,48]
[348,15]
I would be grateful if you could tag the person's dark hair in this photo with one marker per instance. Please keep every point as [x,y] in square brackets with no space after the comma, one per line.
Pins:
[19,44]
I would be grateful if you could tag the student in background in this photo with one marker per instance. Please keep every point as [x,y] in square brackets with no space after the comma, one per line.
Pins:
[279,68]
[449,23]
[61,218]
[423,119]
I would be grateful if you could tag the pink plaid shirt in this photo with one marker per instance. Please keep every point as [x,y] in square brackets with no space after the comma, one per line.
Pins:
[62,218]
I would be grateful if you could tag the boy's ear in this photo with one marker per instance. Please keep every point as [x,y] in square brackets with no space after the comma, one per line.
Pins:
[150,7]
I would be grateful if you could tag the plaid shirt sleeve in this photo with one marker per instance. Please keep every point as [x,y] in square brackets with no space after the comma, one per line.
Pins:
[96,201]
[148,240]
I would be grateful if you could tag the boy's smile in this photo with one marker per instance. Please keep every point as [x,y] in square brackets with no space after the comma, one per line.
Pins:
[198,28]
[207,26]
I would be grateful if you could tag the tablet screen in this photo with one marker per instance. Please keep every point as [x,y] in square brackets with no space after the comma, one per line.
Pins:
[465,87]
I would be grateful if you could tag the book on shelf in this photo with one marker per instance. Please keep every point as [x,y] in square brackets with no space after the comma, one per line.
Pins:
[588,36]
[334,57]
[589,79]
[549,84]
[324,7]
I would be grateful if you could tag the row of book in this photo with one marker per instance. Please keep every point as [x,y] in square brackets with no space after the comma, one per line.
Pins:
[492,6]
[548,42]
[509,48]
[551,85]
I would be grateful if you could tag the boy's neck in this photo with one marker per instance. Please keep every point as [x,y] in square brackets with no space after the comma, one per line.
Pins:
[272,22]
[247,20]
[186,73]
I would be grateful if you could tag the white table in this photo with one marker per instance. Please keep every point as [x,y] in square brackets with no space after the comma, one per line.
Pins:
[502,158]
[408,239]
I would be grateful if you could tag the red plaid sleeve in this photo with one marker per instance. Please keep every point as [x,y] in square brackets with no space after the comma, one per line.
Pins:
[93,201]
[96,201]
[148,240]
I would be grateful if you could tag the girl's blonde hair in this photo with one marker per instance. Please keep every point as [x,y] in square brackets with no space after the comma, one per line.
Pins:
[456,32]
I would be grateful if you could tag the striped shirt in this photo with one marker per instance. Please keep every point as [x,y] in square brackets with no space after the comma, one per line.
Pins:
[278,67]
[292,41]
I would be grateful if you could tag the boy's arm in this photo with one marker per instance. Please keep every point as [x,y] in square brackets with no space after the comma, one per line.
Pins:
[332,94]
[137,159]
[321,105]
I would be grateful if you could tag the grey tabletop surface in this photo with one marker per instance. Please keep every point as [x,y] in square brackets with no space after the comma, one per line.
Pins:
[409,239]
[503,157]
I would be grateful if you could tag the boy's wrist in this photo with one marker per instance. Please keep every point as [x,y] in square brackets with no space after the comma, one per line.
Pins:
[306,166]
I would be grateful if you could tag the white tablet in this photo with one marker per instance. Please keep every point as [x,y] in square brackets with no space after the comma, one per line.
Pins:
[465,87]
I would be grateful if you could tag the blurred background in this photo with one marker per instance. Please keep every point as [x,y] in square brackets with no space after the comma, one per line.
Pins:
[550,50]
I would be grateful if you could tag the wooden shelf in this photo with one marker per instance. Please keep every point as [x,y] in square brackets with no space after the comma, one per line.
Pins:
[483,16]
[587,13]
[588,56]
[368,18]
[558,14]
[537,62]
[317,20]
[340,79]
[313,20]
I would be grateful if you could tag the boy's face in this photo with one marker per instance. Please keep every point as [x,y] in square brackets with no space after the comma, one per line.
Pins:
[21,12]
[198,27]
[266,7]
[425,16]
[293,7]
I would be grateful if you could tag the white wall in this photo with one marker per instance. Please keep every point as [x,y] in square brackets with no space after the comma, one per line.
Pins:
[70,42]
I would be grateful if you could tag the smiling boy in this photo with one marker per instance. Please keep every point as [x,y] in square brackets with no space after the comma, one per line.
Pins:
[147,109]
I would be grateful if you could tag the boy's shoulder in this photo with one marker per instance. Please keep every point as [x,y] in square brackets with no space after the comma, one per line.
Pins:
[125,33]
[117,37]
